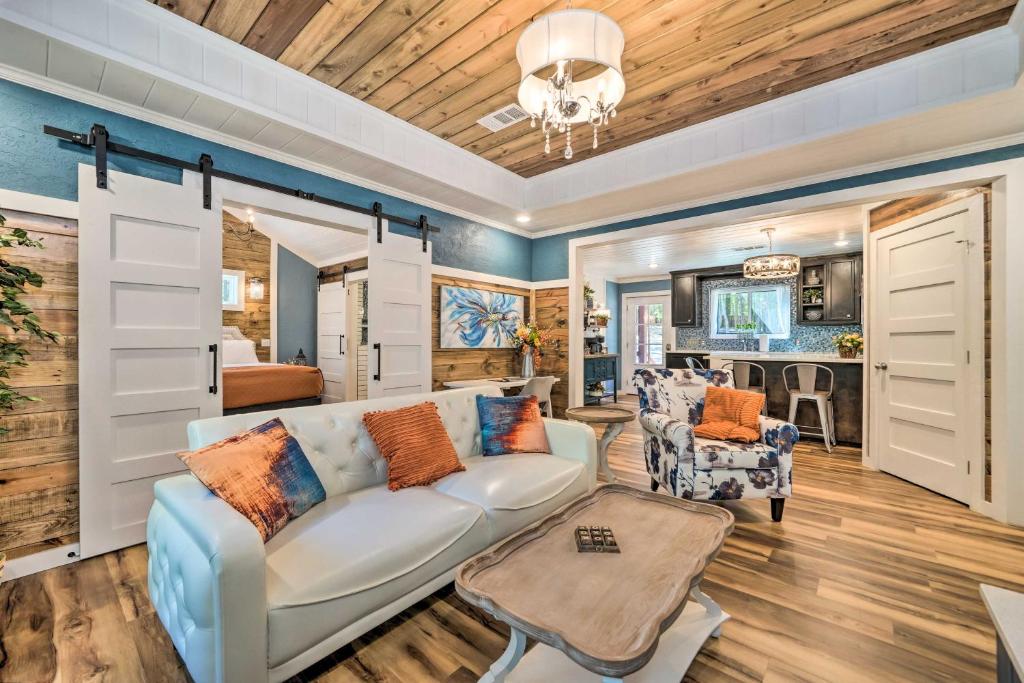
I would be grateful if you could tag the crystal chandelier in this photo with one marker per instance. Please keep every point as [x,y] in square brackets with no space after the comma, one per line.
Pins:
[771,266]
[550,50]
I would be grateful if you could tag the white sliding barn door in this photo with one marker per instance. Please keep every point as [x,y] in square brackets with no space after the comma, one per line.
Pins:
[926,348]
[149,311]
[398,315]
[331,342]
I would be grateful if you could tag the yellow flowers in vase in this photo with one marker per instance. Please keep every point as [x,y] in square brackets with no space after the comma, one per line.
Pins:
[849,344]
[529,340]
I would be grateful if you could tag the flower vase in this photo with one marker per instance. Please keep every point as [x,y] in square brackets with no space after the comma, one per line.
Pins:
[528,368]
[846,352]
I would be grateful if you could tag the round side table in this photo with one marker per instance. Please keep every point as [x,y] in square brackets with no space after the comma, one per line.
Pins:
[614,419]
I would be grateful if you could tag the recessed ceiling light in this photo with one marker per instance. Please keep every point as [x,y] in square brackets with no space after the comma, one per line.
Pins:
[523,218]
[652,264]
[842,243]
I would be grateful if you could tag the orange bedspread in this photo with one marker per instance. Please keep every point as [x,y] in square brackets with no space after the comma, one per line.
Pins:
[252,385]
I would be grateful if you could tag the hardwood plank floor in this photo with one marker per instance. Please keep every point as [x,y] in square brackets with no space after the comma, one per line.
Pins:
[868,578]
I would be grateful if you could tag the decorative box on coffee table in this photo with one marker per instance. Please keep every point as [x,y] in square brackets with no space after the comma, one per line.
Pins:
[611,614]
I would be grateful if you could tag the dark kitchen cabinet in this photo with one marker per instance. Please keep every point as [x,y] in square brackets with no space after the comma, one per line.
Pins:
[830,290]
[685,300]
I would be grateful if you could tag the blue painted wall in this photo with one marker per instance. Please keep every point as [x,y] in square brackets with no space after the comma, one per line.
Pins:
[551,254]
[296,306]
[36,163]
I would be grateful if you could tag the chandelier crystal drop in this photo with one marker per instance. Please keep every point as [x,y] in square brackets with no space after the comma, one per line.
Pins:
[771,266]
[554,48]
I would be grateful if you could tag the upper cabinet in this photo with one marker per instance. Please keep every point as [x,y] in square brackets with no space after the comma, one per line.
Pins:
[830,290]
[685,300]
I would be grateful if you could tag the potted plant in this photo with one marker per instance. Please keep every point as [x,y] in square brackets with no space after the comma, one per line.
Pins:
[588,296]
[601,318]
[529,341]
[849,344]
[813,295]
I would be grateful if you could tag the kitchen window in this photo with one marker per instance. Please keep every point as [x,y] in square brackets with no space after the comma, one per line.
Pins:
[750,310]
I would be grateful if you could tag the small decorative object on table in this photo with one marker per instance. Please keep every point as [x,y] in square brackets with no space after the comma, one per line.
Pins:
[849,344]
[813,295]
[529,341]
[813,314]
[299,359]
[595,539]
[601,317]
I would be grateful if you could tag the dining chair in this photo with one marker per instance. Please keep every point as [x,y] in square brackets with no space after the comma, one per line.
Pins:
[694,364]
[807,390]
[541,388]
[741,371]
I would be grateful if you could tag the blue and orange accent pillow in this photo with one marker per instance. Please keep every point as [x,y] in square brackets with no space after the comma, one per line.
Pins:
[511,424]
[262,473]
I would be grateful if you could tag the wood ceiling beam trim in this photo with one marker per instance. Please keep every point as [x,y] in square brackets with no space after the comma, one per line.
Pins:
[437,26]
[760,64]
[706,109]
[645,63]
[234,18]
[499,20]
[325,31]
[278,25]
[385,24]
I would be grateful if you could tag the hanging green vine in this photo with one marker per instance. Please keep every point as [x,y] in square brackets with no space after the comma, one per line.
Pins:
[17,316]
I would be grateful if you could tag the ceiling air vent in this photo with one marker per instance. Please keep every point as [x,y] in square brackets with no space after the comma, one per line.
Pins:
[503,118]
[751,248]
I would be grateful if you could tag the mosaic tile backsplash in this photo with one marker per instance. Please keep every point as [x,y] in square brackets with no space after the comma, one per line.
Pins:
[809,338]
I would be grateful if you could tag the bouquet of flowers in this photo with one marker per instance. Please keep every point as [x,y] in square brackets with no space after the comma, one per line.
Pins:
[529,337]
[849,344]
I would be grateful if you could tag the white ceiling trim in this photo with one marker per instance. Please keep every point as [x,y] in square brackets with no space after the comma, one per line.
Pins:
[280,113]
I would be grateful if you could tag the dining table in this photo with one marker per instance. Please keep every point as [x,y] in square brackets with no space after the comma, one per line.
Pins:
[501,382]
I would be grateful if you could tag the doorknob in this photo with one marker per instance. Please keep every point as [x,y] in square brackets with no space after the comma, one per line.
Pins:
[882,366]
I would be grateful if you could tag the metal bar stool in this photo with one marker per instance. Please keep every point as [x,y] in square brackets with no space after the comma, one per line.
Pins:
[693,363]
[740,370]
[807,383]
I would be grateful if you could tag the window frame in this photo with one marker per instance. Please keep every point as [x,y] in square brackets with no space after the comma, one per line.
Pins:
[713,296]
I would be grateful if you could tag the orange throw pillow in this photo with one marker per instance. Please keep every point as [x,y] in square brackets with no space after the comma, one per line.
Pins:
[414,443]
[731,415]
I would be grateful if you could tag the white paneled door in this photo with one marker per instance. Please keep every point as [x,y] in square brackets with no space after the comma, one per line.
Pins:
[331,342]
[149,322]
[926,356]
[646,333]
[398,314]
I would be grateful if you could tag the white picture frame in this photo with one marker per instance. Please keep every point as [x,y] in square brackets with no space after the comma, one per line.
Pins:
[232,290]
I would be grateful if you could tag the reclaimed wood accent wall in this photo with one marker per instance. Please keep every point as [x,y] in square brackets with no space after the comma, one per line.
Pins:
[253,257]
[39,453]
[452,364]
[908,207]
[333,272]
[551,310]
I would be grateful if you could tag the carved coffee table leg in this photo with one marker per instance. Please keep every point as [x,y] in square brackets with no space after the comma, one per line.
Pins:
[705,601]
[508,659]
[610,432]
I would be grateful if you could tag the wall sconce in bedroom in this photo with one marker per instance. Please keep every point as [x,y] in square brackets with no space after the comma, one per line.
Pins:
[256,288]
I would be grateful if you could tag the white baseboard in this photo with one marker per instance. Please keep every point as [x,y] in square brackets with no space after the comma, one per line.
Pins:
[41,561]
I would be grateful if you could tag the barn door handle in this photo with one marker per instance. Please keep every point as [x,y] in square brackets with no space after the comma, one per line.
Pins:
[213,350]
[376,376]
[341,344]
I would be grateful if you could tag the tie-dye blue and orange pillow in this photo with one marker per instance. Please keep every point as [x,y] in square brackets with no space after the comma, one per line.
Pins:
[511,424]
[262,473]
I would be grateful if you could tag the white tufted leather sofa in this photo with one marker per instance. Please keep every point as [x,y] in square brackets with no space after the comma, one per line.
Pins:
[241,611]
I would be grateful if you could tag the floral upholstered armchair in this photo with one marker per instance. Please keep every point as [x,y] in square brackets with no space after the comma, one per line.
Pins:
[688,466]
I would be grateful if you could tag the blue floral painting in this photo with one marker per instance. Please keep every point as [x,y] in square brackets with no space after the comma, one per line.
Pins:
[479,319]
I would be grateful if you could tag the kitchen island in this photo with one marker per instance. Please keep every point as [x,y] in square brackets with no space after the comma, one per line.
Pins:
[847,393]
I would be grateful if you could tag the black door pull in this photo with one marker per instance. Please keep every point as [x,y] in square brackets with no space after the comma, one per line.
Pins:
[213,350]
[341,344]
[376,376]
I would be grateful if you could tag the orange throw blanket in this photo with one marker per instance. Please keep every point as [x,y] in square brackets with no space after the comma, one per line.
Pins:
[251,385]
[731,415]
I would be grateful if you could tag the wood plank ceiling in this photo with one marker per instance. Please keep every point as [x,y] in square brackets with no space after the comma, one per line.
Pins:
[442,64]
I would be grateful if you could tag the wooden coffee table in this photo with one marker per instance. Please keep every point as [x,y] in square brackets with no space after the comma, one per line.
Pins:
[603,613]
[613,418]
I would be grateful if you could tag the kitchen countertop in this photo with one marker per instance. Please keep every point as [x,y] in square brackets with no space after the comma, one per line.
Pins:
[781,356]
[600,355]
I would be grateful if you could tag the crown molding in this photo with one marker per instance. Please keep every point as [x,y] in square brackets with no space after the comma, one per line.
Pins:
[911,160]
[100,101]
